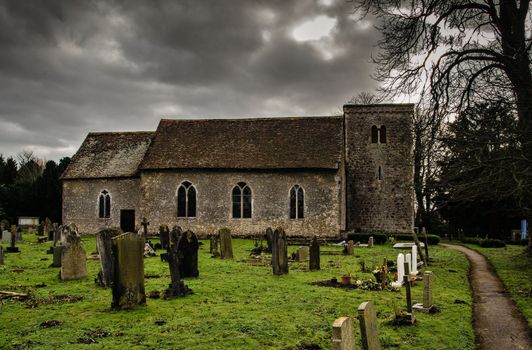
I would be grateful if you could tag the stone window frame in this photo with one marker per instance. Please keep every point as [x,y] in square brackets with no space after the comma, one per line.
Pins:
[297,188]
[241,186]
[107,204]
[187,189]
[378,134]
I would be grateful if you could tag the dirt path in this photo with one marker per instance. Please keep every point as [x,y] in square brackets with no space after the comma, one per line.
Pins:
[498,323]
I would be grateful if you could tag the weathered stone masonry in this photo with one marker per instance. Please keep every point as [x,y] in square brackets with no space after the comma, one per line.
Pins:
[332,158]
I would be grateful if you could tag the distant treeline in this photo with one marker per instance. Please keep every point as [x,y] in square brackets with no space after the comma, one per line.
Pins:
[29,186]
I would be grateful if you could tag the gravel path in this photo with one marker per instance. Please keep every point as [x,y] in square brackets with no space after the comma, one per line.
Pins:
[498,323]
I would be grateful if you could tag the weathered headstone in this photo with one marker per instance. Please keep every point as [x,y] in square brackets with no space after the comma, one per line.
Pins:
[57,233]
[164,236]
[145,223]
[279,252]
[371,242]
[57,251]
[314,254]
[176,288]
[302,253]
[6,237]
[128,283]
[215,245]
[343,334]
[103,245]
[226,244]
[426,306]
[349,249]
[48,229]
[269,238]
[73,257]
[13,238]
[188,247]
[367,318]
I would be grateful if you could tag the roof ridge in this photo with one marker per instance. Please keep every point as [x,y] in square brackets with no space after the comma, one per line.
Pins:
[253,118]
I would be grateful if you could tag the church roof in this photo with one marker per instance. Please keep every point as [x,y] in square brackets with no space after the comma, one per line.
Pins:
[109,154]
[270,143]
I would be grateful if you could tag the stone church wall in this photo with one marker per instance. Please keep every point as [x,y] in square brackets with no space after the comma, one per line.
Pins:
[80,202]
[374,204]
[270,191]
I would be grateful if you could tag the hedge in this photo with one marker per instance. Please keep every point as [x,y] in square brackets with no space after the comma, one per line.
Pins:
[363,237]
[432,239]
[484,243]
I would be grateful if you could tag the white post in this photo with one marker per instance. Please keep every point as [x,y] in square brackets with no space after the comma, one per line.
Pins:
[413,267]
[400,268]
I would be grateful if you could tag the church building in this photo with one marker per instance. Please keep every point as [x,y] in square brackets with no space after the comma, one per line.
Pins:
[310,175]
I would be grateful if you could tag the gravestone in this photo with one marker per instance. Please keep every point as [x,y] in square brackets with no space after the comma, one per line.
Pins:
[57,233]
[413,260]
[176,287]
[73,257]
[1,255]
[145,223]
[343,334]
[426,306]
[103,245]
[6,237]
[214,247]
[269,238]
[367,318]
[48,229]
[164,236]
[314,254]
[302,253]
[188,247]
[349,249]
[13,238]
[40,229]
[57,251]
[371,242]
[400,267]
[128,278]
[279,252]
[226,244]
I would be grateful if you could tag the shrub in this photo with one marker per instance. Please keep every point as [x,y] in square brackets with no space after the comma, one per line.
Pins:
[492,243]
[432,239]
[363,237]
[471,240]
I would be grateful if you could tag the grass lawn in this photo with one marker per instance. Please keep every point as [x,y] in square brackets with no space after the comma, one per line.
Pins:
[234,306]
[515,270]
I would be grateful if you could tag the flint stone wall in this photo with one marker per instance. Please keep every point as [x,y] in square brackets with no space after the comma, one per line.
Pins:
[374,204]
[80,202]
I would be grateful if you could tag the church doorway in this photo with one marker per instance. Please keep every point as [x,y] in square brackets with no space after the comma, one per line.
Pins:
[127,220]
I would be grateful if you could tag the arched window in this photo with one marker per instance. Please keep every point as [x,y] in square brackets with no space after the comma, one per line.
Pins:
[241,201]
[382,134]
[104,205]
[186,200]
[374,134]
[297,202]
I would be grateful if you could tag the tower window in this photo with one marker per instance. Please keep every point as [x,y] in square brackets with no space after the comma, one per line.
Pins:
[378,135]
[297,202]
[382,134]
[104,205]
[241,201]
[379,173]
[186,200]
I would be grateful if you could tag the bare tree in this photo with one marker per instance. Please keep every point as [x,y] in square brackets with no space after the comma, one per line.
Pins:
[365,98]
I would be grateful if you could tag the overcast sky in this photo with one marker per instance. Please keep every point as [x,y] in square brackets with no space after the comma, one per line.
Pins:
[70,67]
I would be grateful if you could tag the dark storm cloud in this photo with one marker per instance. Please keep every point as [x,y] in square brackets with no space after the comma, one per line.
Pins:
[70,67]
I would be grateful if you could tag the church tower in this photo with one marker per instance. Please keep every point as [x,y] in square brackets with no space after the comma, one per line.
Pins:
[379,167]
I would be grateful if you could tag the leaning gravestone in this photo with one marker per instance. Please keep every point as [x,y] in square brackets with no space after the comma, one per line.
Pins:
[13,238]
[103,244]
[314,254]
[176,288]
[128,278]
[343,334]
[73,257]
[188,247]
[226,244]
[269,238]
[164,236]
[367,318]
[279,252]
[214,247]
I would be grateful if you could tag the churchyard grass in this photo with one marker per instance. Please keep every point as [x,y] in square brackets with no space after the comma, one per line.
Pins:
[515,270]
[234,306]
